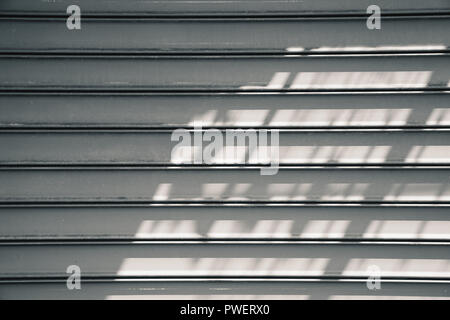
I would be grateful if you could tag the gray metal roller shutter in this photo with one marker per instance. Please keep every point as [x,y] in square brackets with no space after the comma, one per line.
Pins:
[87,176]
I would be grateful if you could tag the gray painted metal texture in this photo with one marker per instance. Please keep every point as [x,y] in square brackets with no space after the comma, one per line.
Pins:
[88,175]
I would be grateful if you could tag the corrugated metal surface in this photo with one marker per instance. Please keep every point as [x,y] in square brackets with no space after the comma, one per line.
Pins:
[88,176]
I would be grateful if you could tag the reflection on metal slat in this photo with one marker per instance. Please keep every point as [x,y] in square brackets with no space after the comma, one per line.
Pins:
[225,110]
[212,7]
[203,37]
[227,260]
[295,148]
[227,290]
[237,73]
[232,222]
[224,185]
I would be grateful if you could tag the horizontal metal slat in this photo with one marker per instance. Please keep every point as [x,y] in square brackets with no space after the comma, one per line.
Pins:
[225,110]
[218,36]
[241,74]
[225,222]
[218,7]
[223,260]
[225,290]
[301,147]
[229,185]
